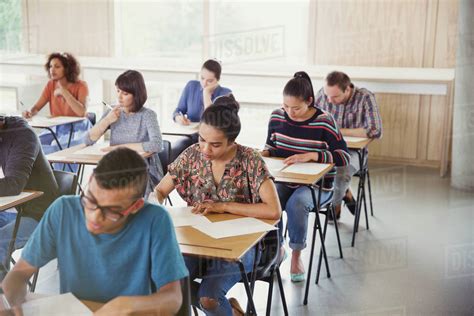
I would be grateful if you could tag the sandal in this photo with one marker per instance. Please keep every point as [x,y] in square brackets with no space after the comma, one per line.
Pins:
[236,308]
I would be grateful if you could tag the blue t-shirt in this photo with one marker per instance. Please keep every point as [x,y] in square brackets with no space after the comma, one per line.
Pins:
[102,267]
[191,102]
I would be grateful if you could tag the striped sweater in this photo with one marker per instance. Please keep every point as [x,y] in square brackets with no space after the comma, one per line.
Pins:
[317,134]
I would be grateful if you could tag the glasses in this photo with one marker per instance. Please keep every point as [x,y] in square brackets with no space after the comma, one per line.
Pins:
[113,215]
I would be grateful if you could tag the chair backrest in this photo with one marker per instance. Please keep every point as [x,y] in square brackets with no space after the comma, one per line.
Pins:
[185,309]
[165,156]
[67,182]
[270,254]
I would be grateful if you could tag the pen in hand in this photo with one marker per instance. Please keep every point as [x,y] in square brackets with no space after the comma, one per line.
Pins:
[107,105]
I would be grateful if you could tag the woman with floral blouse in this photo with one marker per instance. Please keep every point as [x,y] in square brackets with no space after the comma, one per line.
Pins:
[217,175]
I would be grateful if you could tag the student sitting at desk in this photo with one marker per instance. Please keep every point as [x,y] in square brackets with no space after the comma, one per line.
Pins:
[131,124]
[196,97]
[111,245]
[356,113]
[300,132]
[66,95]
[23,166]
[219,175]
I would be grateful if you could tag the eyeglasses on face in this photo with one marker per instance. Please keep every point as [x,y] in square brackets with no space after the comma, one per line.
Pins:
[106,212]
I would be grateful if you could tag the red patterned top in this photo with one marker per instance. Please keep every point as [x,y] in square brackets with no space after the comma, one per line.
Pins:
[243,175]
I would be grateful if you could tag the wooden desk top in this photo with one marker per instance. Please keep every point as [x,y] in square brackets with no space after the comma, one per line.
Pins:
[69,155]
[47,122]
[195,243]
[171,128]
[7,202]
[357,142]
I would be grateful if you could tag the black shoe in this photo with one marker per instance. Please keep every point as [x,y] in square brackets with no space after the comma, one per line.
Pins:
[329,215]
[351,204]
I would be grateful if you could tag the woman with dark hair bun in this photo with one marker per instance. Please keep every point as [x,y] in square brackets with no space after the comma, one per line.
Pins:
[131,124]
[300,132]
[217,175]
[66,95]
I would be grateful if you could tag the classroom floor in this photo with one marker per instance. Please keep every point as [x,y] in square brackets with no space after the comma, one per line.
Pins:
[416,259]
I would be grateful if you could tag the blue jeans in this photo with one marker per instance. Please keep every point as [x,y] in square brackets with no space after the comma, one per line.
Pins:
[7,224]
[298,202]
[218,277]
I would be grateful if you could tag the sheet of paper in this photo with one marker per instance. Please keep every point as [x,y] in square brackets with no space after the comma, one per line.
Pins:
[94,150]
[57,305]
[354,139]
[234,227]
[306,168]
[274,165]
[2,175]
[182,216]
[4,200]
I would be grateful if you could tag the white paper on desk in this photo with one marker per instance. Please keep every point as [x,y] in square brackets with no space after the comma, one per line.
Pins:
[2,175]
[94,150]
[306,168]
[4,200]
[182,216]
[57,305]
[354,139]
[234,227]
[274,165]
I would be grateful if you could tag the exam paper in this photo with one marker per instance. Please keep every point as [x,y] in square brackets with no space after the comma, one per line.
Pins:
[4,200]
[94,150]
[274,165]
[306,168]
[57,305]
[354,139]
[234,227]
[182,216]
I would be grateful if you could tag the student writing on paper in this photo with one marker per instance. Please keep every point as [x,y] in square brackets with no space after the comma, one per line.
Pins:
[196,97]
[357,114]
[111,245]
[218,175]
[24,168]
[67,96]
[131,124]
[300,132]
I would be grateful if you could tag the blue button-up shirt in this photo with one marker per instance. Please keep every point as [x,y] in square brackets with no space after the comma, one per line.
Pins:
[191,102]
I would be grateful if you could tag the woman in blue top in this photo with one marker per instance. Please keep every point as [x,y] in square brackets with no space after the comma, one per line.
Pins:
[131,124]
[196,97]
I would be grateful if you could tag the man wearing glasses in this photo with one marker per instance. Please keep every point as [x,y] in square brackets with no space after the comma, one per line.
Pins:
[111,245]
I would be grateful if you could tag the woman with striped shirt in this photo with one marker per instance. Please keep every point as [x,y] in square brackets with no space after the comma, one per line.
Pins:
[300,132]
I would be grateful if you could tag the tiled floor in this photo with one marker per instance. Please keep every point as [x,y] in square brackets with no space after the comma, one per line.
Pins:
[416,259]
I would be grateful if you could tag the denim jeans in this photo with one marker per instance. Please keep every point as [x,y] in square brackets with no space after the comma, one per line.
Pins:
[298,202]
[344,175]
[7,224]
[218,277]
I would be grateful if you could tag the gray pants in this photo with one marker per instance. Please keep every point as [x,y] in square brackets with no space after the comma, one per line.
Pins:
[344,176]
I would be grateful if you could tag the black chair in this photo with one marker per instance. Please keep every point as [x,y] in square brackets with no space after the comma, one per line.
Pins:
[268,266]
[67,182]
[185,309]
[165,159]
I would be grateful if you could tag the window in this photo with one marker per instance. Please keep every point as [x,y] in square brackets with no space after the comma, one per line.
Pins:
[10,26]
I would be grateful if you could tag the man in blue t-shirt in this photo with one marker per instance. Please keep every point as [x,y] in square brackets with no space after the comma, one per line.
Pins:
[111,245]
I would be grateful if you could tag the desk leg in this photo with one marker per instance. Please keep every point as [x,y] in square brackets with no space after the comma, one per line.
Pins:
[360,196]
[316,229]
[251,306]
[11,246]
[71,131]
[253,275]
[55,137]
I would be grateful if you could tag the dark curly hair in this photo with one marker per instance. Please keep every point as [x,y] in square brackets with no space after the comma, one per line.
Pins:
[71,65]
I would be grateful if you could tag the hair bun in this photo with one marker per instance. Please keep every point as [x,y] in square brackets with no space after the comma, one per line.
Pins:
[227,101]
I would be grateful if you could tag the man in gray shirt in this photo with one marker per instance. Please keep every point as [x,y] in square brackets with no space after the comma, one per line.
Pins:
[24,167]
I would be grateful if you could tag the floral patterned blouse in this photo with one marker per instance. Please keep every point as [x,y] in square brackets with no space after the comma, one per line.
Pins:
[243,175]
